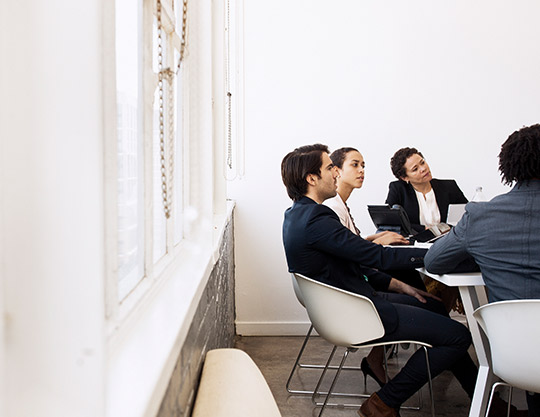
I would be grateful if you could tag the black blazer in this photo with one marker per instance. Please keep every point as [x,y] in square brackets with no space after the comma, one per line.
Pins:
[319,246]
[446,192]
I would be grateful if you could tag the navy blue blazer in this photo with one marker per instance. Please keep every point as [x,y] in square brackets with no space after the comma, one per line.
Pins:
[318,246]
[446,192]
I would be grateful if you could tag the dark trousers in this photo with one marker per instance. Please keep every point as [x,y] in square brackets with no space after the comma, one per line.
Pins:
[533,402]
[408,276]
[428,323]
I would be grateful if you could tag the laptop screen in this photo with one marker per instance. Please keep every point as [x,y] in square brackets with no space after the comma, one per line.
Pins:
[455,211]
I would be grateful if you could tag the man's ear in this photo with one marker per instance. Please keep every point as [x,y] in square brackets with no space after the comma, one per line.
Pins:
[311,179]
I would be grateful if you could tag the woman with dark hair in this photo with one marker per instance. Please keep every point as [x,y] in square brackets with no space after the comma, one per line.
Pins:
[351,172]
[424,198]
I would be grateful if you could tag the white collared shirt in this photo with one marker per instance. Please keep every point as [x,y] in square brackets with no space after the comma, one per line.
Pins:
[429,210]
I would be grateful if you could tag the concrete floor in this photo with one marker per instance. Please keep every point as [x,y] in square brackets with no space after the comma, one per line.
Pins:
[275,357]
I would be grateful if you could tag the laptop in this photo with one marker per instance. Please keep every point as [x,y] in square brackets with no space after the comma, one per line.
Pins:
[430,235]
[455,211]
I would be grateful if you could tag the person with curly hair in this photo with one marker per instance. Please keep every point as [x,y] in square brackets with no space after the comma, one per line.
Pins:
[501,235]
[425,199]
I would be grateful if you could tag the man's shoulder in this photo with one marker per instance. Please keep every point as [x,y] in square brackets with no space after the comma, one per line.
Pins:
[509,201]
[318,210]
[308,207]
[472,208]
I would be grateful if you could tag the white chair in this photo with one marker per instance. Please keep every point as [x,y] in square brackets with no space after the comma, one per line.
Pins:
[513,331]
[349,320]
[298,364]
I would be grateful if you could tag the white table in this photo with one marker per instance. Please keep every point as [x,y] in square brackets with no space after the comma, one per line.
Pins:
[473,294]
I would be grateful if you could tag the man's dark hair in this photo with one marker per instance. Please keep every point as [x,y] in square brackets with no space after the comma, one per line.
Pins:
[339,155]
[397,162]
[519,159]
[297,165]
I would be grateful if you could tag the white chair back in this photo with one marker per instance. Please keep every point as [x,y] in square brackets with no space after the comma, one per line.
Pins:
[297,291]
[513,330]
[341,317]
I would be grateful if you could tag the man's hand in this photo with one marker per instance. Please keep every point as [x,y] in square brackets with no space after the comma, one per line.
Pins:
[402,288]
[389,238]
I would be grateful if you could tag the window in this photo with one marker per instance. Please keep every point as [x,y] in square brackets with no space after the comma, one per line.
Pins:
[149,137]
[130,158]
[157,266]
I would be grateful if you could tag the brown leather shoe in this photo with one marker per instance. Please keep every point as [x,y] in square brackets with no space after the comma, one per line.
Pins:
[374,407]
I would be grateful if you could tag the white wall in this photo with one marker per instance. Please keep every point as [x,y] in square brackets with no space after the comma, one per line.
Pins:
[453,79]
[59,354]
[51,219]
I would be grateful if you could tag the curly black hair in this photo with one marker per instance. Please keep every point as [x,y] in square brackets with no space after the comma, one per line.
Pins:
[519,159]
[397,162]
[339,155]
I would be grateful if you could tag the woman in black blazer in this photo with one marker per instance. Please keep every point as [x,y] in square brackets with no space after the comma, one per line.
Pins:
[425,200]
[415,182]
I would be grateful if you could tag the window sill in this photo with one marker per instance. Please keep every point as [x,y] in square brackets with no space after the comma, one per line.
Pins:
[143,348]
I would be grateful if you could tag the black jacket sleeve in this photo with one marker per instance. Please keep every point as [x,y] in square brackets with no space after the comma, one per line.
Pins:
[329,235]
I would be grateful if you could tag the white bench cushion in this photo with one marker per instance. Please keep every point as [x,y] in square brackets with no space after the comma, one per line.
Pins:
[232,385]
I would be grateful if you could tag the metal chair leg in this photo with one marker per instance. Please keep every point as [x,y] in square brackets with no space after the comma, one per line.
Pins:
[430,382]
[510,391]
[316,390]
[430,387]
[333,381]
[492,393]
[341,367]
[297,364]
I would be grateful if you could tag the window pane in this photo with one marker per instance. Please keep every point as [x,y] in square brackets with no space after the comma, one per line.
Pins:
[130,146]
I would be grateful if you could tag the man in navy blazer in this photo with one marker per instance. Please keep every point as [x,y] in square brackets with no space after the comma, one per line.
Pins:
[319,246]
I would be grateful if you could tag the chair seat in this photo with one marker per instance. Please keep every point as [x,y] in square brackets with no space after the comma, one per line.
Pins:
[330,310]
[392,342]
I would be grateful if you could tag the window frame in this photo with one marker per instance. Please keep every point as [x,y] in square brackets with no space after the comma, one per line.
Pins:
[153,321]
[116,307]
